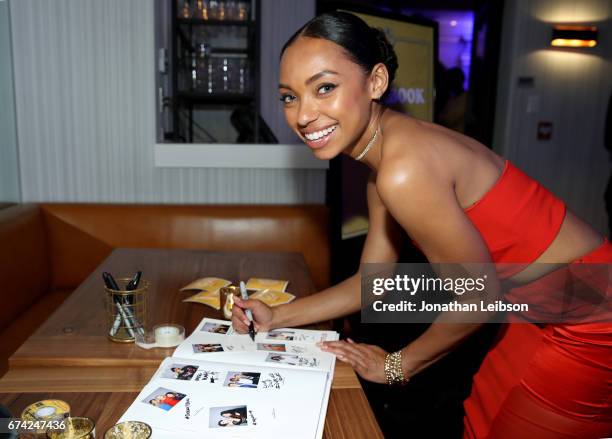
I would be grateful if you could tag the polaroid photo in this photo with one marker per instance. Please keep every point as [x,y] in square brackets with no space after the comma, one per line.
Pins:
[207,376]
[183,372]
[271,347]
[277,334]
[229,416]
[292,360]
[206,348]
[255,283]
[215,328]
[164,399]
[245,380]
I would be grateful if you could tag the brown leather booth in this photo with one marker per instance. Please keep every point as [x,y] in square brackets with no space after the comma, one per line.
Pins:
[47,250]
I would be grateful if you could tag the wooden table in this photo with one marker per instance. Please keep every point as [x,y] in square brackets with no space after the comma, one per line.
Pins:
[348,412]
[70,356]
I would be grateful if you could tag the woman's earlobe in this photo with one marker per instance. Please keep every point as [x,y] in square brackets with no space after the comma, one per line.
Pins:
[377,95]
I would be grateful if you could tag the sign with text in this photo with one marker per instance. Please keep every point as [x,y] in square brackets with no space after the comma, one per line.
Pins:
[480,293]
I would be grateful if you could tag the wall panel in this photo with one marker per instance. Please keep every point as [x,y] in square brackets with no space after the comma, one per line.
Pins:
[571,90]
[9,160]
[85,90]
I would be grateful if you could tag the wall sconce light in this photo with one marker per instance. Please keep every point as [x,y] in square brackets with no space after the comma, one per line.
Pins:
[573,36]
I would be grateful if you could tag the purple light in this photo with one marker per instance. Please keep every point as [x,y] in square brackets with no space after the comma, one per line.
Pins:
[455,29]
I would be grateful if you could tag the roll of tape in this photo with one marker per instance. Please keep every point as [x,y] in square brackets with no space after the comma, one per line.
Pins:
[166,335]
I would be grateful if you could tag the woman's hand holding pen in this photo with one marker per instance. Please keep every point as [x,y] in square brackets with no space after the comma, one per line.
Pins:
[367,360]
[262,315]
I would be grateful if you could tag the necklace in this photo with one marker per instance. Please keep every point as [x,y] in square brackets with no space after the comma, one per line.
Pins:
[363,153]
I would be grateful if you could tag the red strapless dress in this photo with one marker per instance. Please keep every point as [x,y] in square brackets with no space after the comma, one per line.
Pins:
[538,382]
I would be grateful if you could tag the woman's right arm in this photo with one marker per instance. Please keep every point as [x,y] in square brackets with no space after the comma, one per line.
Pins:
[382,245]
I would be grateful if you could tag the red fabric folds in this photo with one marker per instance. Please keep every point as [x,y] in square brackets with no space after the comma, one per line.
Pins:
[538,382]
[518,218]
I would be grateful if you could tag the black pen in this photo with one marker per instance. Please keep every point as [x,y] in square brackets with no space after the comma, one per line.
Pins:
[110,283]
[109,280]
[124,310]
[133,284]
[249,314]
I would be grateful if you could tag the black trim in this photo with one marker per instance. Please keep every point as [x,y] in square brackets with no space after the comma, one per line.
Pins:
[186,100]
[574,34]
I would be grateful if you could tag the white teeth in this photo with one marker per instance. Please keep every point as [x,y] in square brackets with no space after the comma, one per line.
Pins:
[318,134]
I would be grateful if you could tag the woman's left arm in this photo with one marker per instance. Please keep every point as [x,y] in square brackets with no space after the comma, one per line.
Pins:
[421,198]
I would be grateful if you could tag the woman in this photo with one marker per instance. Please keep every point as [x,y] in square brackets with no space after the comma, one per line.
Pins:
[232,418]
[454,197]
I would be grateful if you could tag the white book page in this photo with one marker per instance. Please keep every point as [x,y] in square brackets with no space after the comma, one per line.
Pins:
[226,400]
[215,340]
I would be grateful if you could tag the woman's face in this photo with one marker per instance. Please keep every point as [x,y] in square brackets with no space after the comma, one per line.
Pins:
[326,96]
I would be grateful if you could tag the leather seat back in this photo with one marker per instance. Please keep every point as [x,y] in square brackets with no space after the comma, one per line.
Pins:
[24,261]
[82,235]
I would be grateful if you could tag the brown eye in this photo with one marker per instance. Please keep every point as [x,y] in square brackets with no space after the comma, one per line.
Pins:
[287,98]
[326,88]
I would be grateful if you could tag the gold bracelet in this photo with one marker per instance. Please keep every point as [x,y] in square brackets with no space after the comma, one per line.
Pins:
[393,369]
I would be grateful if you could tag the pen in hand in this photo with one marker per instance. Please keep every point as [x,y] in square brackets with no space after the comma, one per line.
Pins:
[249,314]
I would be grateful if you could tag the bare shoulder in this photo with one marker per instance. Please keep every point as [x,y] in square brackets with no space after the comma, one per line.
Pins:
[419,156]
[406,173]
[412,158]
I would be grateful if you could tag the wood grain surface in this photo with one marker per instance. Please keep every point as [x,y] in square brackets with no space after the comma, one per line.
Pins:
[348,415]
[76,334]
[104,408]
[70,357]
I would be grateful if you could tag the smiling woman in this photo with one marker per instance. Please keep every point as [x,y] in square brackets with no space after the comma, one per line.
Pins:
[461,203]
[315,104]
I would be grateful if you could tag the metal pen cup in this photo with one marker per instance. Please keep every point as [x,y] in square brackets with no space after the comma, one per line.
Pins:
[126,311]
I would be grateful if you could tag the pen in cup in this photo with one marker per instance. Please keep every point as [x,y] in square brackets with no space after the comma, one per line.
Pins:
[109,280]
[110,283]
[249,314]
[131,286]
[129,323]
[124,311]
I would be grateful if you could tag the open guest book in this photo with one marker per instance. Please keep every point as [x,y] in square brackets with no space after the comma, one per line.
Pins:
[220,384]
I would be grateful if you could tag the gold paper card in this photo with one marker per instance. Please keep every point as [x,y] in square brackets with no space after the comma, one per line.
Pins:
[256,283]
[206,298]
[207,284]
[273,298]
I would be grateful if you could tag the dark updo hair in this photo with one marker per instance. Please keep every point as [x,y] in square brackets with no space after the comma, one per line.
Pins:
[364,45]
